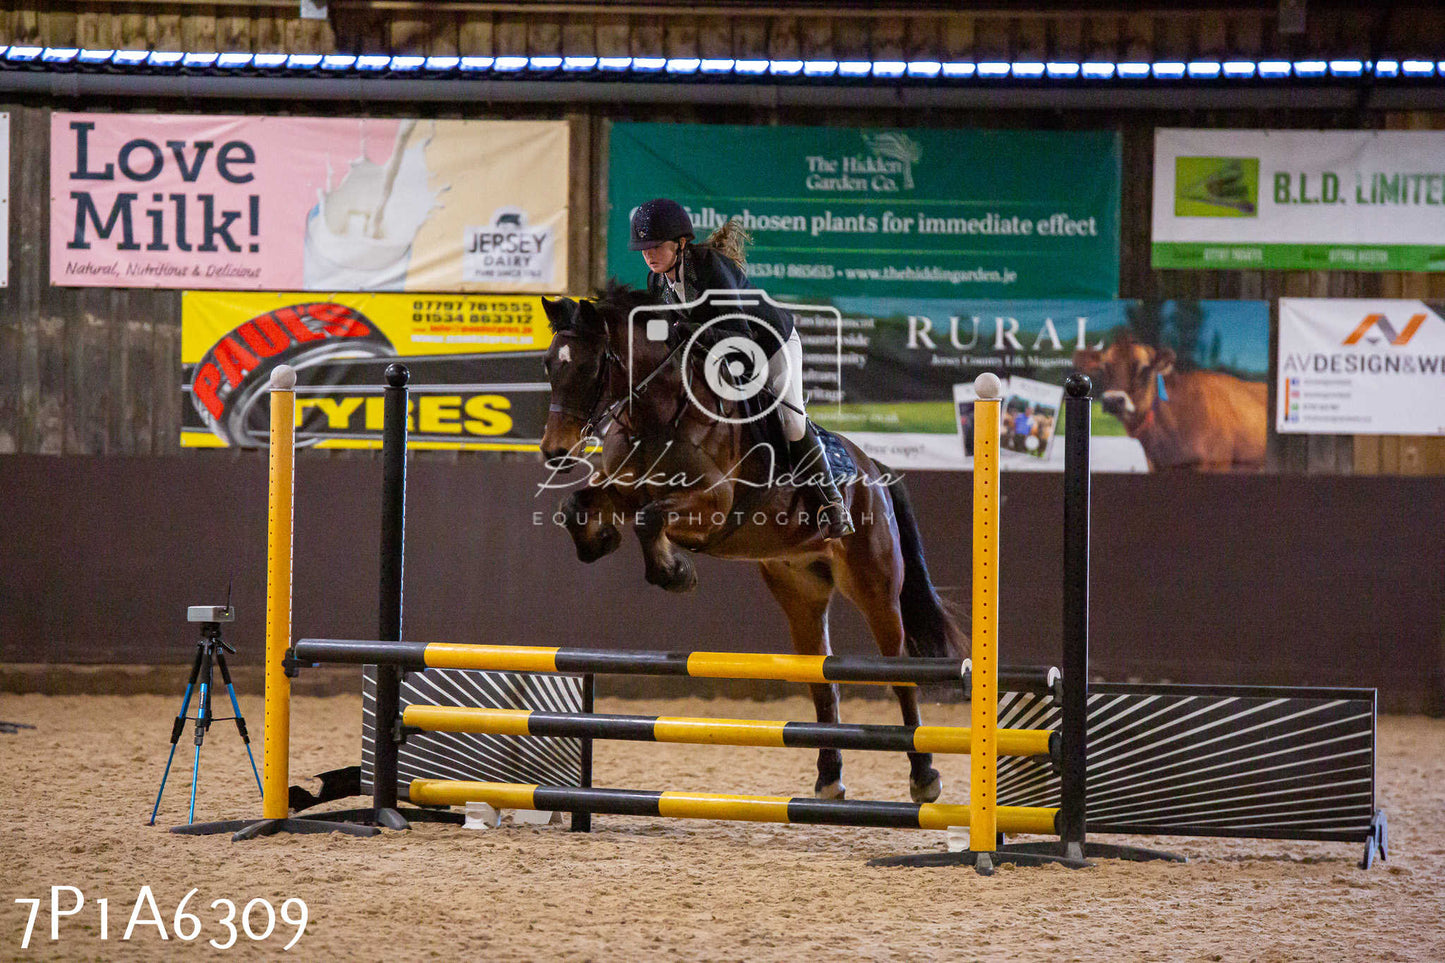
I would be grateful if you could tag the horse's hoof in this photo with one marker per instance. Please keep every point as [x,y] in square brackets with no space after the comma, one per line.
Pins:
[681,579]
[926,792]
[834,790]
[603,545]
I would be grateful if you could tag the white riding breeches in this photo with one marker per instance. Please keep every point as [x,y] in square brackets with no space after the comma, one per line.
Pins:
[785,380]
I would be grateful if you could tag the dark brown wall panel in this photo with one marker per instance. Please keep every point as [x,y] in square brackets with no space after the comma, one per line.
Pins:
[1265,579]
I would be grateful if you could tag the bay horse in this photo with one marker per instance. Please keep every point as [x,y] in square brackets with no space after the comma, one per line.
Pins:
[689,481]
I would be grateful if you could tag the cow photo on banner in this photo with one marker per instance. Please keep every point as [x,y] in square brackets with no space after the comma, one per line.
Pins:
[476,364]
[1179,384]
[308,203]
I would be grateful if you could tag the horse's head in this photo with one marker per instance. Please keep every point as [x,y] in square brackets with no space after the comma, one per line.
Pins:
[576,369]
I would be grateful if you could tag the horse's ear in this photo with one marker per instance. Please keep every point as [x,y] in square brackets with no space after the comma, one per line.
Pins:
[589,318]
[559,312]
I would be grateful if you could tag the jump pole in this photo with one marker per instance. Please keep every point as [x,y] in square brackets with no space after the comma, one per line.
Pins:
[758,733]
[280,516]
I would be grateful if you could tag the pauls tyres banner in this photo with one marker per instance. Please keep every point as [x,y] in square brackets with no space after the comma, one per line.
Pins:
[917,213]
[1179,384]
[307,203]
[1299,199]
[475,362]
[1361,367]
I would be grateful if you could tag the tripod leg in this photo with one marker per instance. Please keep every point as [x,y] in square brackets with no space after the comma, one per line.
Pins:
[240,723]
[203,722]
[176,728]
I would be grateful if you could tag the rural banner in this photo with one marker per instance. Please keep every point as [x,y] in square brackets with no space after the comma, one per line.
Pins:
[307,203]
[1361,367]
[475,362]
[1299,199]
[915,213]
[1179,384]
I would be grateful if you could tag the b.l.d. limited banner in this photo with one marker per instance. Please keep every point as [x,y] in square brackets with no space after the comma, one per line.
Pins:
[1336,200]
[475,362]
[307,203]
[838,212]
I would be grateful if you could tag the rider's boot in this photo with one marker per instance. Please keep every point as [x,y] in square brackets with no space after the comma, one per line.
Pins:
[810,461]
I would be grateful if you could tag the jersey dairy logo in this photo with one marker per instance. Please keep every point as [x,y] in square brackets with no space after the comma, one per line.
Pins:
[509,250]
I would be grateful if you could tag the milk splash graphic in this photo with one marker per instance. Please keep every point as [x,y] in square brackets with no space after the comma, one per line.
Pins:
[359,235]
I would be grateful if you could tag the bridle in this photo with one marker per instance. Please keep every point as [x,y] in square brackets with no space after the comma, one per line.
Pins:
[595,416]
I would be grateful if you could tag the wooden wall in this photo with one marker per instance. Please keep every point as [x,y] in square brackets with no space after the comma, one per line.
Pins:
[96,371]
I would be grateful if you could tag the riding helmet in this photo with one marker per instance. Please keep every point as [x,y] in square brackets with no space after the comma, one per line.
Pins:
[658,221]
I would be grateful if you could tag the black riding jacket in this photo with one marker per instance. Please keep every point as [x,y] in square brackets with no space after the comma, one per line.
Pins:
[704,269]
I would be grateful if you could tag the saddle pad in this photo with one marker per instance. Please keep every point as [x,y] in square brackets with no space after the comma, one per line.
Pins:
[840,461]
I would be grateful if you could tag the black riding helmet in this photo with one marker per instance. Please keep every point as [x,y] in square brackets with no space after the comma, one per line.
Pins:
[656,222]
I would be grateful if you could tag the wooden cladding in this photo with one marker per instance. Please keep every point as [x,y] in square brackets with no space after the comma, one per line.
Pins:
[725,32]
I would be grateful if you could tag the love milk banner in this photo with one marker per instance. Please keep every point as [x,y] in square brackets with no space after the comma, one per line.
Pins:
[307,203]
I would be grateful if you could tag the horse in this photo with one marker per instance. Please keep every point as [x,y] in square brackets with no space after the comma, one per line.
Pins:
[682,465]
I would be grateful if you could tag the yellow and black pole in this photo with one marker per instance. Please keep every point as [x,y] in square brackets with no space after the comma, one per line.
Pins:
[280,513]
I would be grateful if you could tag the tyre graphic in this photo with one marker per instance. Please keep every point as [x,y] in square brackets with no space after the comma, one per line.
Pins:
[230,383]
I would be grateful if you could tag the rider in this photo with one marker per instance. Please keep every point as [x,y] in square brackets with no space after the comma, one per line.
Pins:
[680,271]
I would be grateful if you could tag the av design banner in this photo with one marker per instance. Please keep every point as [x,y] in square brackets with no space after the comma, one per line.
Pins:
[1302,199]
[1180,384]
[475,362]
[307,203]
[916,213]
[1361,367]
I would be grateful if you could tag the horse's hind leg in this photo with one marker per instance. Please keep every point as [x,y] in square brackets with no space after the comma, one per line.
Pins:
[804,590]
[885,621]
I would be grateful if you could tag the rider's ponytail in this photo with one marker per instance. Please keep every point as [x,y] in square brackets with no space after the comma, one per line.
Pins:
[731,241]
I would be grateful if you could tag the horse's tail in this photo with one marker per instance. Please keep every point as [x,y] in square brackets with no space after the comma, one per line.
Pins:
[929,628]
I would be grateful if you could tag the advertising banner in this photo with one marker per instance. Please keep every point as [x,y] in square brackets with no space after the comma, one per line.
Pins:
[1180,384]
[917,213]
[1361,367]
[1371,200]
[475,362]
[307,203]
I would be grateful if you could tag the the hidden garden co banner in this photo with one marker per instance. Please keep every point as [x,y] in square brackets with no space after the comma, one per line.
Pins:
[475,361]
[1361,367]
[1299,199]
[837,212]
[1182,384]
[307,203]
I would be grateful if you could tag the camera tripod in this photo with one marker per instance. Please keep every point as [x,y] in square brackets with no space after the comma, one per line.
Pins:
[210,654]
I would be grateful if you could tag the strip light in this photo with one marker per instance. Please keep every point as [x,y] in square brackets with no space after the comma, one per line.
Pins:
[21,56]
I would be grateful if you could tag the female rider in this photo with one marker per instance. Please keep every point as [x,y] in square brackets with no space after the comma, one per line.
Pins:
[680,271]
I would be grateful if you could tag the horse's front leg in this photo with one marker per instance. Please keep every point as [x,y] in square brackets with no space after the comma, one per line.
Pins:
[590,516]
[667,566]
